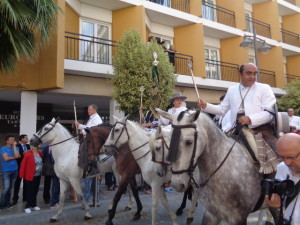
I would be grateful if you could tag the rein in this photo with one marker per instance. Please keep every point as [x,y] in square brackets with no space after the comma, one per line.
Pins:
[162,162]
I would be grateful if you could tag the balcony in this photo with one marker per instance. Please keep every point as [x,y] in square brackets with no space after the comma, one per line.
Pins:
[290,78]
[267,77]
[181,63]
[290,38]
[219,70]
[89,49]
[182,5]
[218,14]
[262,28]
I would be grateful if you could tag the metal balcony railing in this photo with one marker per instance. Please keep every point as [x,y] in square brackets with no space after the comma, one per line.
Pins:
[290,78]
[262,28]
[218,14]
[290,38]
[267,77]
[182,5]
[181,63]
[221,70]
[88,48]
[291,1]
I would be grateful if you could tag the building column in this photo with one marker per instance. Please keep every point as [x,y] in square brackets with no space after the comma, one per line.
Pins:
[113,111]
[28,113]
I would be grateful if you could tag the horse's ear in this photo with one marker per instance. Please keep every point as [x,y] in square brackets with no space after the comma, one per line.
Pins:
[126,117]
[87,130]
[57,119]
[116,118]
[196,115]
[165,114]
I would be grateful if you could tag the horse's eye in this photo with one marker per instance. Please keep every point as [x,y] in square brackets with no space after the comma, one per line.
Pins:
[188,142]
[117,130]
[47,128]
[157,148]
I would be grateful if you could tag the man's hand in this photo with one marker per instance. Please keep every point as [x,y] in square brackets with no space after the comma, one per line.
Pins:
[274,202]
[76,124]
[201,104]
[244,120]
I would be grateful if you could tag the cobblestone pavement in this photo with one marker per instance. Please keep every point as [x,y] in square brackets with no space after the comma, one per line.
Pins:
[73,214]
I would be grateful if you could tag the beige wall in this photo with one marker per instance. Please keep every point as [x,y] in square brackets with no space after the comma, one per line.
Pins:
[231,51]
[189,40]
[238,8]
[48,71]
[72,20]
[267,12]
[126,19]
[196,7]
[292,65]
[291,23]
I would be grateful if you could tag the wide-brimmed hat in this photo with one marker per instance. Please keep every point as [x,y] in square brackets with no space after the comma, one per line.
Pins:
[177,95]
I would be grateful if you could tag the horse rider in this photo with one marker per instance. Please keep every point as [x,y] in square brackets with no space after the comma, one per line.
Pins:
[288,147]
[178,106]
[251,105]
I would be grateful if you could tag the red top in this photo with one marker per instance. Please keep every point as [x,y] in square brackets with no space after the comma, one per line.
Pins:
[27,169]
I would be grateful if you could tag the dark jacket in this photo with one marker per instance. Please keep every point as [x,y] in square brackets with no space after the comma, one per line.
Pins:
[21,151]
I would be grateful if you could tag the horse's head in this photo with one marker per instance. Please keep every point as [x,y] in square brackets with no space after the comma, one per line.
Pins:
[184,148]
[159,145]
[46,133]
[117,137]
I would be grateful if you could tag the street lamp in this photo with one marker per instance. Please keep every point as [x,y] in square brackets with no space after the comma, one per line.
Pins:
[255,42]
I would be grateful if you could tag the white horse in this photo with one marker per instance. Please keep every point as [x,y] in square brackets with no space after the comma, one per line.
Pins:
[159,143]
[65,153]
[230,182]
[126,131]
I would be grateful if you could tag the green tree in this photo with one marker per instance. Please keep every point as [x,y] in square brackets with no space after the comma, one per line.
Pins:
[25,27]
[292,98]
[133,68]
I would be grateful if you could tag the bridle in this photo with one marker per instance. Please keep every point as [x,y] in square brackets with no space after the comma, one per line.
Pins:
[113,146]
[192,166]
[164,144]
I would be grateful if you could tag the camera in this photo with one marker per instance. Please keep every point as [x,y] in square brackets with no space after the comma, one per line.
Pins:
[282,188]
[240,113]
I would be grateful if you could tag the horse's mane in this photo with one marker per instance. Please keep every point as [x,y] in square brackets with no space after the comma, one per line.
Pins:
[64,129]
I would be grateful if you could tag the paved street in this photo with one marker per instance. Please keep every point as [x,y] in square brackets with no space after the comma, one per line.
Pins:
[73,214]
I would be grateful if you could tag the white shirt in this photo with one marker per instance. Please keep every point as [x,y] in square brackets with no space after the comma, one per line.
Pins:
[94,120]
[282,172]
[257,98]
[174,111]
[295,121]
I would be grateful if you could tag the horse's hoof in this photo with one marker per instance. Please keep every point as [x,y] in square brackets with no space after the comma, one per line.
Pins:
[179,212]
[127,208]
[109,222]
[87,218]
[52,220]
[137,217]
[189,220]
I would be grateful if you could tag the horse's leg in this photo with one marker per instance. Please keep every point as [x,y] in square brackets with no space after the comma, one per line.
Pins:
[63,187]
[76,183]
[112,208]
[179,211]
[260,217]
[209,219]
[165,202]
[135,193]
[194,200]
[155,197]
[275,215]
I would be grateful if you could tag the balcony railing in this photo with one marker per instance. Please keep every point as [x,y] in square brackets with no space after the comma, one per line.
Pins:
[290,38]
[182,5]
[181,63]
[291,1]
[290,78]
[218,14]
[262,28]
[88,48]
[267,77]
[221,70]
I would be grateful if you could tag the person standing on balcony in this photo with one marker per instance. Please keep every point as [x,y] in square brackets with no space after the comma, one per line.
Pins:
[294,121]
[171,53]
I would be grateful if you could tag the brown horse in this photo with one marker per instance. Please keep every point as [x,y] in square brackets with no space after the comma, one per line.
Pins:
[126,165]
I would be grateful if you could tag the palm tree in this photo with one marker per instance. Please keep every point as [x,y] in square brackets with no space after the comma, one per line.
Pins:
[25,27]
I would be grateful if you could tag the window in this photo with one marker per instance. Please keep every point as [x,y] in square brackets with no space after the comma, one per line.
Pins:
[95,44]
[209,11]
[212,64]
[249,26]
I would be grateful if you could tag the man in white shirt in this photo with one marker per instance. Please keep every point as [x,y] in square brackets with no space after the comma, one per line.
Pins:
[289,151]
[94,119]
[294,121]
[177,100]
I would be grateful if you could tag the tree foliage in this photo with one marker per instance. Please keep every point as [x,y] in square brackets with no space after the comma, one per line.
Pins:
[292,98]
[25,27]
[133,68]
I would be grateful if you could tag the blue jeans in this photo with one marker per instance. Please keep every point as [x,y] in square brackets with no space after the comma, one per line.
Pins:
[8,180]
[87,183]
[55,190]
[98,189]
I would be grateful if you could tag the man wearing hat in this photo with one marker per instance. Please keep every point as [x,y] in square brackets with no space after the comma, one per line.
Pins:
[177,100]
